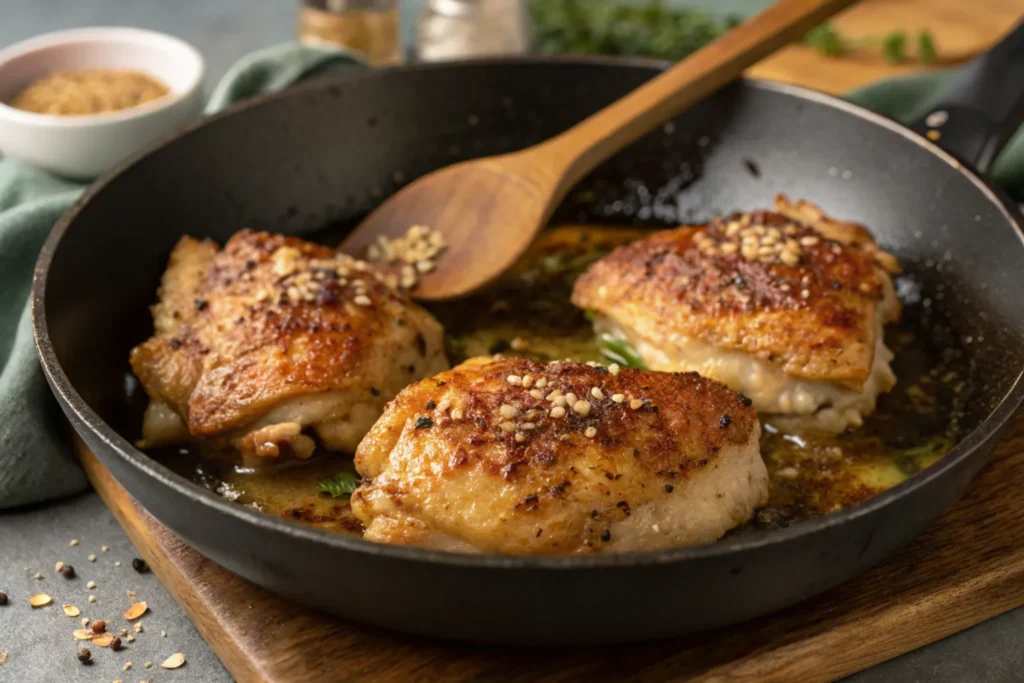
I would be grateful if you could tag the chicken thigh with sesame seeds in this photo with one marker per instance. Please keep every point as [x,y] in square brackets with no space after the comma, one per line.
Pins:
[787,307]
[522,457]
[271,340]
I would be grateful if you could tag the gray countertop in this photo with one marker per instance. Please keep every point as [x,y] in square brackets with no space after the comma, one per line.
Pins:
[31,540]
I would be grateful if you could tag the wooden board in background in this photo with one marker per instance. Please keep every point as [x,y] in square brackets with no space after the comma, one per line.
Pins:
[961,28]
[967,568]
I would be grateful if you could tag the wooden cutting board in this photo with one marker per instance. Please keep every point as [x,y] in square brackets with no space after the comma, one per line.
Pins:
[961,30]
[967,568]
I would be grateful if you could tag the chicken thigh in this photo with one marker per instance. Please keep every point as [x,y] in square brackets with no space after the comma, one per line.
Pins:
[787,307]
[522,457]
[272,340]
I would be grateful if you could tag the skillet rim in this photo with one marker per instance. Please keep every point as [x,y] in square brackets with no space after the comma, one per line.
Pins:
[66,393]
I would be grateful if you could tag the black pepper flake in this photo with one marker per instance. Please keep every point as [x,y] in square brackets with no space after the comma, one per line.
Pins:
[411,368]
[836,284]
[725,421]
[624,505]
[539,532]
[606,535]
[250,264]
[175,343]
[431,405]
[669,488]
[201,304]
[593,514]
[441,382]
[752,167]
[424,422]
[375,391]
[139,565]
[745,401]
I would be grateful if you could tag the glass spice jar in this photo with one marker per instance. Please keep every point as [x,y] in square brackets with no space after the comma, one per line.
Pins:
[457,29]
[369,27]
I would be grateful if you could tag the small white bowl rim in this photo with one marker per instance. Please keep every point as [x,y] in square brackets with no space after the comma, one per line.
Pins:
[99,34]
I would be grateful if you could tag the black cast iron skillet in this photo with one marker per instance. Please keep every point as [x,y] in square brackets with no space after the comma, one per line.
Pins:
[325,152]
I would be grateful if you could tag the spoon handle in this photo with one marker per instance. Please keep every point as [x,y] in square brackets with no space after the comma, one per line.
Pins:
[581,148]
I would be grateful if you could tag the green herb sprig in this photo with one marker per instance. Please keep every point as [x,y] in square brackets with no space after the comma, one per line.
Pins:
[341,485]
[830,43]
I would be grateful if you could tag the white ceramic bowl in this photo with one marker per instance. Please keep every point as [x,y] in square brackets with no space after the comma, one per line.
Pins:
[85,146]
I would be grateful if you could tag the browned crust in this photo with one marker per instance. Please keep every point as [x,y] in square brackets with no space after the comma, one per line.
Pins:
[816,318]
[683,424]
[238,342]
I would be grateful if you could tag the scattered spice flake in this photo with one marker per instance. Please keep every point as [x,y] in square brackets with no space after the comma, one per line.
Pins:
[138,627]
[174,661]
[130,638]
[3,656]
[37,576]
[57,567]
[92,598]
[90,585]
[40,600]
[136,610]
[118,563]
[74,542]
[163,634]
[126,666]
[105,548]
[85,621]
[131,595]
[103,640]
[92,557]
[83,634]
[71,611]
[148,665]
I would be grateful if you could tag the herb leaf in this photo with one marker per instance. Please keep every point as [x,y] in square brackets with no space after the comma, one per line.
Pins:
[825,40]
[619,351]
[925,47]
[893,45]
[341,485]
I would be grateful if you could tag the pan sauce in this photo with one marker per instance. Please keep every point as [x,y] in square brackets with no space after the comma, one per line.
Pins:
[528,313]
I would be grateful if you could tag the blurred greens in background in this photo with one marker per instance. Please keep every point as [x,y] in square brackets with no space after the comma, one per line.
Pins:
[672,30]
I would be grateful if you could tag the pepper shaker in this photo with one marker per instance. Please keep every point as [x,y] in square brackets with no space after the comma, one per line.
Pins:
[457,29]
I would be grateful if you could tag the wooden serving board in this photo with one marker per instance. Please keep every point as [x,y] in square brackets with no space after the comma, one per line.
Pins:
[967,568]
[961,30]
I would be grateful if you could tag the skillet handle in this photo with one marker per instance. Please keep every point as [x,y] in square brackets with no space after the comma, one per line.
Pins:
[982,108]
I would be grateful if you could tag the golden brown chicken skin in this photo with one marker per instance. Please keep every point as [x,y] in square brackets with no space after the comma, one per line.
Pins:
[786,306]
[271,340]
[521,457]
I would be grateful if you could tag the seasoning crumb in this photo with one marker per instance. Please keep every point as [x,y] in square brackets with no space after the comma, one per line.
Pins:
[174,661]
[85,621]
[163,634]
[84,655]
[82,92]
[130,638]
[148,665]
[40,600]
[105,548]
[92,557]
[90,585]
[92,598]
[591,432]
[117,563]
[37,576]
[67,571]
[3,656]
[126,666]
[57,567]
[74,542]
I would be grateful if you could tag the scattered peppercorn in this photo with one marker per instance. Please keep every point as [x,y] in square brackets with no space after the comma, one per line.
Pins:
[725,421]
[98,626]
[201,304]
[139,565]
[374,391]
[84,655]
[424,422]
[745,401]
[606,535]
[669,488]
[67,571]
[115,644]
[3,599]
[431,405]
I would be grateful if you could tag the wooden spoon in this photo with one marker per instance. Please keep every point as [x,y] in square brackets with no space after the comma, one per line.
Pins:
[490,209]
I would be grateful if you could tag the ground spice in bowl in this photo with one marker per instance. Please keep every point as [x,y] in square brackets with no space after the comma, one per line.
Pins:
[89,91]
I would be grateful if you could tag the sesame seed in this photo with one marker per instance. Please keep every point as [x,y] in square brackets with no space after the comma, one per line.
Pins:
[809,241]
[536,393]
[541,383]
[597,393]
[456,413]
[92,598]
[591,432]
[92,557]
[528,426]
[804,293]
[520,437]
[581,407]
[508,427]
[729,248]
[362,300]
[789,258]
[561,401]
[785,287]
[553,395]
[571,398]
[74,542]
[424,266]
[557,411]
[444,405]
[635,404]
[527,381]
[508,412]
[515,380]
[90,585]
[618,398]
[614,368]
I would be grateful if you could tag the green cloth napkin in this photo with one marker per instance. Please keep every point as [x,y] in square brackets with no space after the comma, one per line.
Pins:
[35,463]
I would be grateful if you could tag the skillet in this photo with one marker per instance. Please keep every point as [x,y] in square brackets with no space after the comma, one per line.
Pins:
[325,152]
